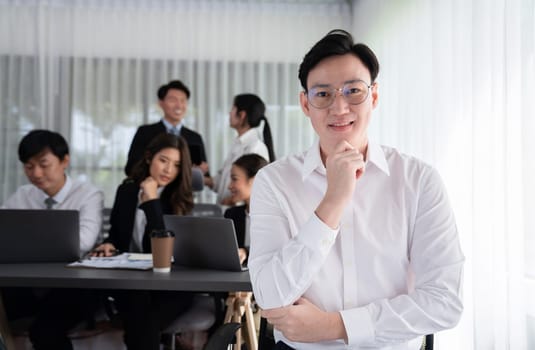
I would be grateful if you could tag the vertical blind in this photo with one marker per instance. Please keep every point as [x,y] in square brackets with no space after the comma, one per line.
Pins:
[456,87]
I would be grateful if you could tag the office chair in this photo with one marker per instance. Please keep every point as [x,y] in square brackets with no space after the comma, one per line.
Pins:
[197,179]
[428,342]
[200,317]
[222,337]
[207,210]
[207,310]
[239,306]
[105,229]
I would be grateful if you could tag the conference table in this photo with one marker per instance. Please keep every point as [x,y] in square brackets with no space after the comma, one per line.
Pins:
[58,275]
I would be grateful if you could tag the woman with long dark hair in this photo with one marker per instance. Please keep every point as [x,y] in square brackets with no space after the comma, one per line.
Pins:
[159,184]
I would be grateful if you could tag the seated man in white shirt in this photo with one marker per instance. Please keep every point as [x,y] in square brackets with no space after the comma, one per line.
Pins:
[45,157]
[353,244]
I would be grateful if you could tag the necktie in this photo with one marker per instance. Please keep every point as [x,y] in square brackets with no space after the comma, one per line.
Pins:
[49,202]
[174,131]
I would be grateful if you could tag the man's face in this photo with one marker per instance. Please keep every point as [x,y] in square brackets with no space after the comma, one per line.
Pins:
[46,171]
[174,106]
[341,120]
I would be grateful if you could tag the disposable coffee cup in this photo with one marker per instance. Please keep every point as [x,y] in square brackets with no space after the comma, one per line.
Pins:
[162,242]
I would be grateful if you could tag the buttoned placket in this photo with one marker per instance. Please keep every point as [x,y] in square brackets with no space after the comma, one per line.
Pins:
[348,258]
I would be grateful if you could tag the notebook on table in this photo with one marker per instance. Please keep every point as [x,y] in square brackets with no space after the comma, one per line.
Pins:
[204,242]
[37,235]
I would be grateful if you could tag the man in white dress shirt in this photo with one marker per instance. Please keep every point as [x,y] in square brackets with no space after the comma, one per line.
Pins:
[353,245]
[45,157]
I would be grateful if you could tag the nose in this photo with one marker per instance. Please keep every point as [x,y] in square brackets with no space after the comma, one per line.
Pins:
[339,103]
[167,168]
[35,172]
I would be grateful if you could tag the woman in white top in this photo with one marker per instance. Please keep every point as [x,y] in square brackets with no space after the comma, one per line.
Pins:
[246,115]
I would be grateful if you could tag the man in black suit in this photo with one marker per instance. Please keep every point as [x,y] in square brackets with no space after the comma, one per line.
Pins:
[173,99]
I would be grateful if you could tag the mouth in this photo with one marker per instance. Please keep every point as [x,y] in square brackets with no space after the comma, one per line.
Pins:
[341,126]
[178,111]
[164,179]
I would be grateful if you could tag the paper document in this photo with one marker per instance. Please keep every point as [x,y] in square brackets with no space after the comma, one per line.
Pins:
[134,261]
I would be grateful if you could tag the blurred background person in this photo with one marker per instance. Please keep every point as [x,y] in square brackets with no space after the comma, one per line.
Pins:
[160,183]
[242,174]
[247,117]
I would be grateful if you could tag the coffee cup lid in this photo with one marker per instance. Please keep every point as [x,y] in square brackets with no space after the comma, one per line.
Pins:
[162,233]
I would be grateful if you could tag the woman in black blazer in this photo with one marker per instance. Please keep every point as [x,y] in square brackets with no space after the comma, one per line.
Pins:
[242,175]
[160,184]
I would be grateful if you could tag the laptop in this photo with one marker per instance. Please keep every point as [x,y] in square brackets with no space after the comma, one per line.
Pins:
[204,242]
[37,235]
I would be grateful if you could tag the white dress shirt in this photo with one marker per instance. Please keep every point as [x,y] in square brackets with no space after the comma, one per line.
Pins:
[249,142]
[393,268]
[74,195]
[172,129]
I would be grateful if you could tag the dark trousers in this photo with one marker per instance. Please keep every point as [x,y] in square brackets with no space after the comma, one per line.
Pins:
[146,313]
[56,312]
[282,346]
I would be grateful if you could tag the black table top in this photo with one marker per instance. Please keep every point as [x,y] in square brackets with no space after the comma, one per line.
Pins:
[57,275]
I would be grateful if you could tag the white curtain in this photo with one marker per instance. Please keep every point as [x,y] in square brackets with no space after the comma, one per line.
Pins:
[90,69]
[457,89]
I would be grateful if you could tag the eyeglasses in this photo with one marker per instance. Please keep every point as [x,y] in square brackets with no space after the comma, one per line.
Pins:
[323,96]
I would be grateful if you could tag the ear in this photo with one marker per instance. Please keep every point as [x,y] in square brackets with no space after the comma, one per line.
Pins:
[375,94]
[303,101]
[160,103]
[66,161]
[242,116]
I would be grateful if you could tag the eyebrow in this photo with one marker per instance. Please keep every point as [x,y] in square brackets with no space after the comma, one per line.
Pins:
[168,159]
[329,85]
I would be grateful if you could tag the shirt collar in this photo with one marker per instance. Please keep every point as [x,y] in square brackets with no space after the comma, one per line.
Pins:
[169,126]
[312,161]
[249,135]
[376,156]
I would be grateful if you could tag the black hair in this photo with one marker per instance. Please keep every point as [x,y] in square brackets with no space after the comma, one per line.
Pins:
[251,163]
[336,43]
[37,141]
[255,110]
[179,193]
[173,84]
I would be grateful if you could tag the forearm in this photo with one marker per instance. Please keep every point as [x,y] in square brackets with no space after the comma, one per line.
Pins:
[90,222]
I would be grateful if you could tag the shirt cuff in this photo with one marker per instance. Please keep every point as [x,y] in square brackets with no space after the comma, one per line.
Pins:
[358,325]
[317,235]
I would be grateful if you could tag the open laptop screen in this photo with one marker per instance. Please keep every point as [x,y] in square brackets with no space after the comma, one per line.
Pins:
[37,235]
[204,242]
